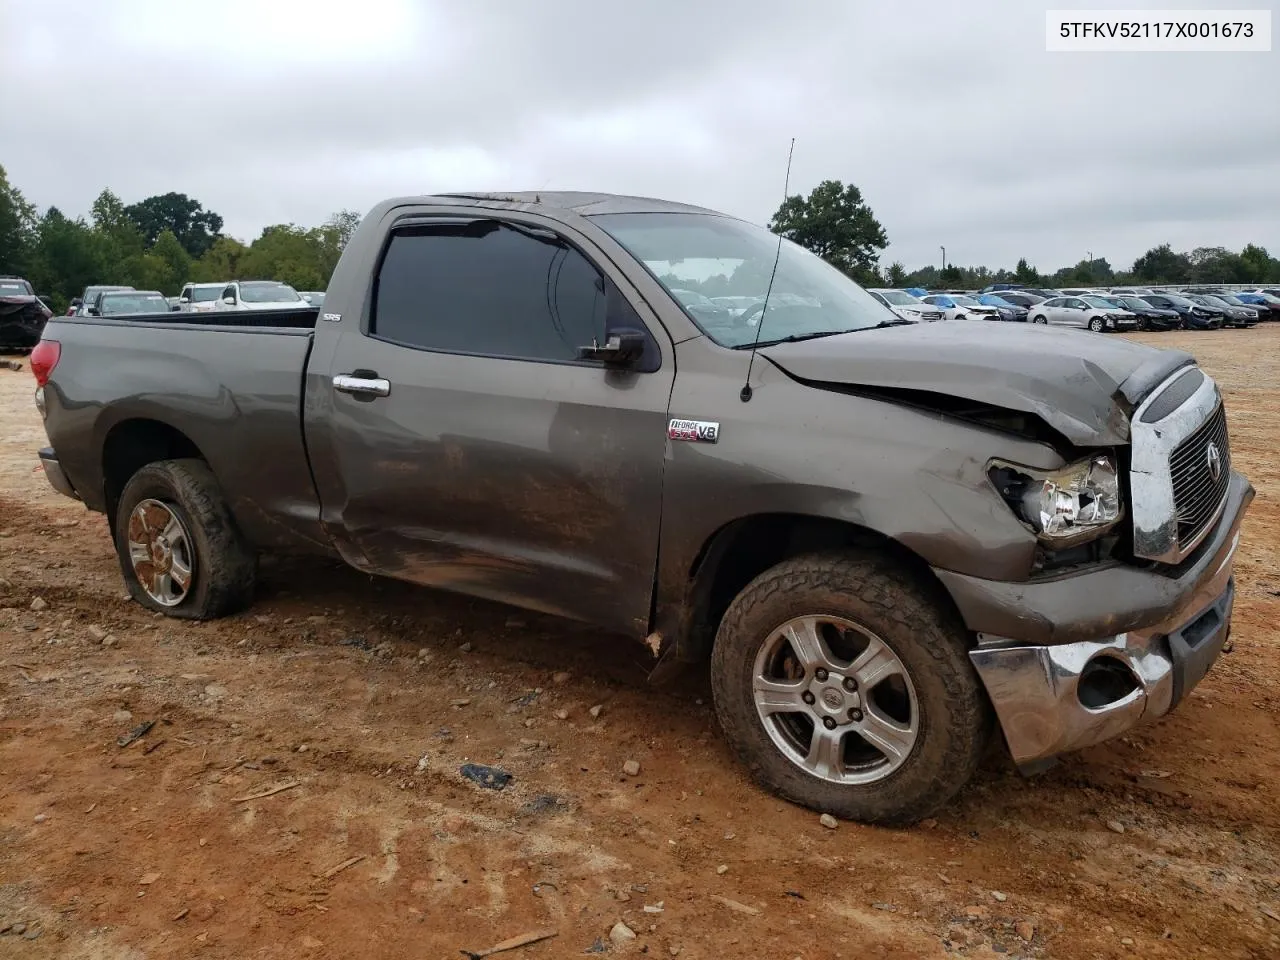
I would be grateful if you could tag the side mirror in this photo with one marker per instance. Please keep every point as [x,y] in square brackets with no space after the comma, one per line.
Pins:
[77,302]
[184,299]
[92,311]
[229,301]
[175,308]
[624,346]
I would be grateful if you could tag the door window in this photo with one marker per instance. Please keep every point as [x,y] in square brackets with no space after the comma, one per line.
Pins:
[485,288]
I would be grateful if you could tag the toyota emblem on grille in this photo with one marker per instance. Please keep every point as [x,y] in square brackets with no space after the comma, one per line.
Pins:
[1214,459]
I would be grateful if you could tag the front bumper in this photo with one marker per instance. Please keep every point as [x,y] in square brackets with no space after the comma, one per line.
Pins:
[1148,639]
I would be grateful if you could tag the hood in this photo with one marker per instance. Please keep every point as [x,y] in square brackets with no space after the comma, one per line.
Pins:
[1084,387]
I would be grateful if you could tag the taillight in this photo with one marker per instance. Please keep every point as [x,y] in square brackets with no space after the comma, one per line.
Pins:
[44,358]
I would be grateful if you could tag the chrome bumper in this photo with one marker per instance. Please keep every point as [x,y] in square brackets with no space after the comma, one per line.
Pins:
[1054,699]
[54,474]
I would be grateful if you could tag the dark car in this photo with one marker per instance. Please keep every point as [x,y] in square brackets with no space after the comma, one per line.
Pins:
[1194,316]
[1007,308]
[1233,315]
[22,314]
[119,303]
[1268,306]
[81,304]
[1250,311]
[1150,317]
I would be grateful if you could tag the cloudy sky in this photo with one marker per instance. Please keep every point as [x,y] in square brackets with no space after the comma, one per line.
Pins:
[950,116]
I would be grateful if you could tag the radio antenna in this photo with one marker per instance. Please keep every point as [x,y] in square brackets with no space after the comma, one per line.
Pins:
[745,395]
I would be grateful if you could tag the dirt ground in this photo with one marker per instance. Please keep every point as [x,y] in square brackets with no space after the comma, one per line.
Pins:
[363,698]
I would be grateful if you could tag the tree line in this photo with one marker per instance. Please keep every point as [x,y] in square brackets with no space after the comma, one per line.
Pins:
[835,222]
[164,241]
[158,243]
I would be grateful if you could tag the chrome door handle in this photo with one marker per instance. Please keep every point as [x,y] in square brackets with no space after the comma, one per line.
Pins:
[362,386]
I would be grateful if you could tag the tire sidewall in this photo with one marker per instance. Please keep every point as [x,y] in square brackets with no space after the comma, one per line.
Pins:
[156,482]
[916,645]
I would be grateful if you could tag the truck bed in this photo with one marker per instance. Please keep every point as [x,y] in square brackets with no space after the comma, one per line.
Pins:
[234,388]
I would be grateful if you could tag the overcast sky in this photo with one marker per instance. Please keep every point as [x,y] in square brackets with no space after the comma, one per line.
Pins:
[950,116]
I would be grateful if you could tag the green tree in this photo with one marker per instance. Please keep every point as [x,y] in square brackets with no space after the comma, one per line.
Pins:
[17,228]
[195,227]
[169,251]
[221,261]
[1026,274]
[835,223]
[1216,265]
[1258,265]
[288,253]
[68,256]
[1162,265]
[895,275]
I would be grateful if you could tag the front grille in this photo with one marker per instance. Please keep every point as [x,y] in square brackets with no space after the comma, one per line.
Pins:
[1197,493]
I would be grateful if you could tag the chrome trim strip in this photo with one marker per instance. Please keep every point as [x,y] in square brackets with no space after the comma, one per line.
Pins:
[1155,516]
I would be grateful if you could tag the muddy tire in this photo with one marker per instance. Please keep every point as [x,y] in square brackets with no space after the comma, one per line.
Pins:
[179,548]
[794,676]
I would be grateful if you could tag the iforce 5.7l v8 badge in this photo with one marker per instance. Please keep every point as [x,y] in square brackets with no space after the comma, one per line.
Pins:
[699,431]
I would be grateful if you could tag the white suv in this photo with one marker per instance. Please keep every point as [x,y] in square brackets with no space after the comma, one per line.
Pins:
[258,295]
[200,297]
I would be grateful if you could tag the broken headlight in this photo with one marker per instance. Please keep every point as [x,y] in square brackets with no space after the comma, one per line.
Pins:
[1064,507]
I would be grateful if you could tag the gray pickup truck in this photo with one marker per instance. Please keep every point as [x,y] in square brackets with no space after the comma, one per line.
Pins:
[888,540]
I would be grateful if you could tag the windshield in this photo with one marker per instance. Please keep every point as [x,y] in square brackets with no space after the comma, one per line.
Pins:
[13,288]
[966,302]
[1102,303]
[1135,303]
[1229,298]
[721,257]
[941,301]
[267,293]
[206,294]
[1173,298]
[991,300]
[898,298]
[114,304]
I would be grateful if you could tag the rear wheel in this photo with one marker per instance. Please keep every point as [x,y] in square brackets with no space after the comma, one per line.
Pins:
[844,687]
[178,545]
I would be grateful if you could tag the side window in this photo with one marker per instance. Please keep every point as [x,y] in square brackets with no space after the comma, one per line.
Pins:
[1075,304]
[487,289]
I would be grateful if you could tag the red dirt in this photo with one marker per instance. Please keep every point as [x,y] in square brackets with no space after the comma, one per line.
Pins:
[342,685]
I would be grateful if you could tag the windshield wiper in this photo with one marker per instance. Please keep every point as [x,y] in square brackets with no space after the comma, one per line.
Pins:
[791,338]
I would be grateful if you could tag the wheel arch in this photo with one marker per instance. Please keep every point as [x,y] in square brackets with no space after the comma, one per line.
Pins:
[132,444]
[740,550]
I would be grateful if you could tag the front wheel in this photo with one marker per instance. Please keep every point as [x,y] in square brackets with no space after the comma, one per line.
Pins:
[179,548]
[843,686]
[1096,325]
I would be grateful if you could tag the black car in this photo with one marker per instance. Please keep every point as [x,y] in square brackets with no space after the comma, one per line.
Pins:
[1233,315]
[1194,316]
[22,314]
[1150,317]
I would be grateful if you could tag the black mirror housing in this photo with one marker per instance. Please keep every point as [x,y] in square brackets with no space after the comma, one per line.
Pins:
[624,347]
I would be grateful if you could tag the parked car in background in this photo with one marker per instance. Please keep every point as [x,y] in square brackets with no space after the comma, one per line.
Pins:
[1234,315]
[22,314]
[201,297]
[1005,309]
[914,536]
[313,297]
[1248,313]
[1268,307]
[1020,298]
[917,292]
[258,295]
[1194,316]
[907,307]
[117,303]
[1084,292]
[736,306]
[1149,317]
[81,304]
[1130,291]
[957,306]
[1081,312]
